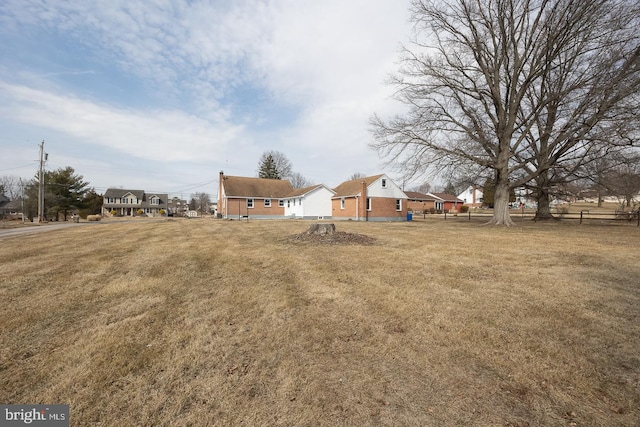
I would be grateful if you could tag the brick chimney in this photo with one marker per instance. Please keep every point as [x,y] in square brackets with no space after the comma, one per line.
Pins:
[362,215]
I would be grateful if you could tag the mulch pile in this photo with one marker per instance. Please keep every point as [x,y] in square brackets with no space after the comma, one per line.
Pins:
[337,238]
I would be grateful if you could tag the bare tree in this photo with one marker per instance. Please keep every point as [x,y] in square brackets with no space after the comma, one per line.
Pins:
[423,188]
[356,175]
[11,187]
[298,181]
[200,202]
[282,168]
[623,180]
[514,87]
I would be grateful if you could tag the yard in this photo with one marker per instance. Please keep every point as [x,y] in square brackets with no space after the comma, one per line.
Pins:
[211,322]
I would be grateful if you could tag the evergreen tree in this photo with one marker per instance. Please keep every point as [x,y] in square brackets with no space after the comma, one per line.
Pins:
[268,168]
[91,203]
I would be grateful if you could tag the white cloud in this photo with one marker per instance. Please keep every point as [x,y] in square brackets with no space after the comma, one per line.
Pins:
[155,135]
[326,61]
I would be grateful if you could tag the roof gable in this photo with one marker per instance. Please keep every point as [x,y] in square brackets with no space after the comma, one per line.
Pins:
[354,187]
[306,190]
[414,195]
[121,192]
[447,197]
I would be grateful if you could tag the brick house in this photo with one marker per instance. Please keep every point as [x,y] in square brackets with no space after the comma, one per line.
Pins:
[259,198]
[374,198]
[420,202]
[133,203]
[447,202]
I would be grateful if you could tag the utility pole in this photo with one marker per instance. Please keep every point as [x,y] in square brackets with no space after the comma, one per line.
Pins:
[43,158]
[22,199]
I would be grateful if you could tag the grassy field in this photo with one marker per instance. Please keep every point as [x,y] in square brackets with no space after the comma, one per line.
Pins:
[437,323]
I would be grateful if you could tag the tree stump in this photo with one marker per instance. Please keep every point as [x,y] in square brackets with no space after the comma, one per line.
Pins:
[322,229]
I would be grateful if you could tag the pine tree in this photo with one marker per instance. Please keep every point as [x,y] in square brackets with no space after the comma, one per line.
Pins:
[268,168]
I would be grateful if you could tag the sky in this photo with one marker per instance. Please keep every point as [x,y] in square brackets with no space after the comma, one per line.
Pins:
[162,95]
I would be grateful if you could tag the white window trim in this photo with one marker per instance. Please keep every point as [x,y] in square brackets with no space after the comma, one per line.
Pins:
[250,204]
[267,203]
[369,204]
[384,183]
[398,205]
[342,203]
[281,203]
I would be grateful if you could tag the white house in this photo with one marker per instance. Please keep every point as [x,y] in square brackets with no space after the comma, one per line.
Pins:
[472,196]
[312,202]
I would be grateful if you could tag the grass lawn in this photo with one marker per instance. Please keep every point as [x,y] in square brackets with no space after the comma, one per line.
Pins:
[211,322]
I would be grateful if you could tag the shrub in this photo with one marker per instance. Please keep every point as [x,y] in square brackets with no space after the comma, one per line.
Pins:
[140,211]
[94,217]
[162,211]
[464,209]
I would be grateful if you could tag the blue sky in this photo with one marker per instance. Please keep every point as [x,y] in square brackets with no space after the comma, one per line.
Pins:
[162,95]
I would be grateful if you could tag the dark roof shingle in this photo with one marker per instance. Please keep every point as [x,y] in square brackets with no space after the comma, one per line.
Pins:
[354,187]
[240,186]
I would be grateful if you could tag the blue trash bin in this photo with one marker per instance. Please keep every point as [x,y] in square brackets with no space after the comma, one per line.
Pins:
[409,216]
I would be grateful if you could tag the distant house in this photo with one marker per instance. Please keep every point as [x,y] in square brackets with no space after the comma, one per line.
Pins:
[312,202]
[10,208]
[123,202]
[374,198]
[420,202]
[447,202]
[472,196]
[177,207]
[259,198]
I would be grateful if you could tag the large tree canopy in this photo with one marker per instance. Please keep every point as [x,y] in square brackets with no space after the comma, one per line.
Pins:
[274,165]
[64,192]
[517,87]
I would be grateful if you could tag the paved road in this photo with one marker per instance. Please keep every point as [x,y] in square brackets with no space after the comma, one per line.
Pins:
[31,229]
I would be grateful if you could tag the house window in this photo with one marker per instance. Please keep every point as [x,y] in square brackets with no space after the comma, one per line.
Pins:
[294,202]
[342,203]
[281,203]
[250,203]
[154,200]
[398,204]
[439,206]
[267,203]
[384,183]
[288,203]
[368,203]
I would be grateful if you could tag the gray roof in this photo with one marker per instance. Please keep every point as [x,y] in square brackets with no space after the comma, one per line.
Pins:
[119,192]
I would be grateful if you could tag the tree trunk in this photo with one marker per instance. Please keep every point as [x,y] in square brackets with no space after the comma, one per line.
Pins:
[501,197]
[543,211]
[501,206]
[322,229]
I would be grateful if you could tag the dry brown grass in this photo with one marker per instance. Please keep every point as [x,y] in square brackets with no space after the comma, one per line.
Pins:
[205,322]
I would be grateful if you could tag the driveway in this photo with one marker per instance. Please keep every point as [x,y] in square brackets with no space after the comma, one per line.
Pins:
[31,229]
